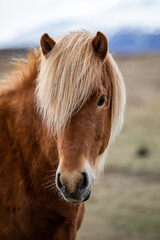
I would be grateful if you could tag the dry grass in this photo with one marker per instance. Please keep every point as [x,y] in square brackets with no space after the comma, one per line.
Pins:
[125,203]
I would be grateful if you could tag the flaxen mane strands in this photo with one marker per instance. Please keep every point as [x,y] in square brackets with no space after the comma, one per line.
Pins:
[118,96]
[69,75]
[67,78]
[118,102]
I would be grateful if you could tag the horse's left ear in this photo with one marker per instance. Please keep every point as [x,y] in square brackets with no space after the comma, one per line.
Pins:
[47,43]
[100,45]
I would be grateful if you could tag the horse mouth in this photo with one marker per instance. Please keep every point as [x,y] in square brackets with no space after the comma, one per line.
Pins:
[87,197]
[72,198]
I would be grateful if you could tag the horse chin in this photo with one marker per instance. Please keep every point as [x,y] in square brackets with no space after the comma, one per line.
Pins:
[87,196]
[78,199]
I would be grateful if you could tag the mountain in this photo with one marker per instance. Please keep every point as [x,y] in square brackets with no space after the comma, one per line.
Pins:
[124,41]
[135,41]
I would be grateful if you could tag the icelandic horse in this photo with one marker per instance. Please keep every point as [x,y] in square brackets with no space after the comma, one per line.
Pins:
[59,110]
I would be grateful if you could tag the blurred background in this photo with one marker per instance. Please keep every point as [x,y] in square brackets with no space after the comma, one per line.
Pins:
[125,202]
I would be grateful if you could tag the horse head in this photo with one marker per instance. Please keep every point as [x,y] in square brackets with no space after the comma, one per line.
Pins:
[81,96]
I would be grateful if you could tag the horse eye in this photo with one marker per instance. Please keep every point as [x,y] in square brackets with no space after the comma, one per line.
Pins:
[101,100]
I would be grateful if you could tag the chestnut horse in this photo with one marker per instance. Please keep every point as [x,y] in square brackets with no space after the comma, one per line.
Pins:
[59,110]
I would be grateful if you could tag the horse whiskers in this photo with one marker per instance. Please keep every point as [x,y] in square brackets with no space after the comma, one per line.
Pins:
[49,183]
[51,176]
[49,180]
[52,170]
[51,186]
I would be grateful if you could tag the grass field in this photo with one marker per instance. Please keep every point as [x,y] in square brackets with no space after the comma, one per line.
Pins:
[125,202]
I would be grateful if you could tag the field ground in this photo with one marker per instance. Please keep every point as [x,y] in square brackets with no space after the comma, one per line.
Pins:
[125,202]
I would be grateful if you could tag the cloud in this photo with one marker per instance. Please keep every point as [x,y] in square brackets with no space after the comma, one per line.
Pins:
[28,16]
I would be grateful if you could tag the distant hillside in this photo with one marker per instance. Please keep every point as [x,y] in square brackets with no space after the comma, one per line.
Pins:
[125,41]
[134,42]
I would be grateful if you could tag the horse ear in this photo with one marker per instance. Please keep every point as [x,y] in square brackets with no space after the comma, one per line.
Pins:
[100,45]
[47,43]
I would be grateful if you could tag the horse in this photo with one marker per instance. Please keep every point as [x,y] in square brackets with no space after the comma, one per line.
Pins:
[59,111]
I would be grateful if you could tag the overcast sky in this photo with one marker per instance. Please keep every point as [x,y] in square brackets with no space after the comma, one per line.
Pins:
[19,16]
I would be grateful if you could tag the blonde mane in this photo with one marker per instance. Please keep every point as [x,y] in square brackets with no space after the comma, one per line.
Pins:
[118,102]
[118,96]
[67,78]
[69,75]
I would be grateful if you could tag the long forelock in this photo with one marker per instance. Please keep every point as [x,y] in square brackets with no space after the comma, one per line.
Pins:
[118,102]
[118,97]
[67,78]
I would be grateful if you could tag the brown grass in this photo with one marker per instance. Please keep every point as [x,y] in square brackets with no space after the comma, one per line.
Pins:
[125,203]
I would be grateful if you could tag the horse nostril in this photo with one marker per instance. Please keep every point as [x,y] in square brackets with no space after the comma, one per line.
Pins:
[84,182]
[59,184]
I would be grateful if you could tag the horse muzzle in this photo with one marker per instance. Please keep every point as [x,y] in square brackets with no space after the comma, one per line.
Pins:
[75,186]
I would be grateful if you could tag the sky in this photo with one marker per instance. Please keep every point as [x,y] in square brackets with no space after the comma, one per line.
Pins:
[17,17]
